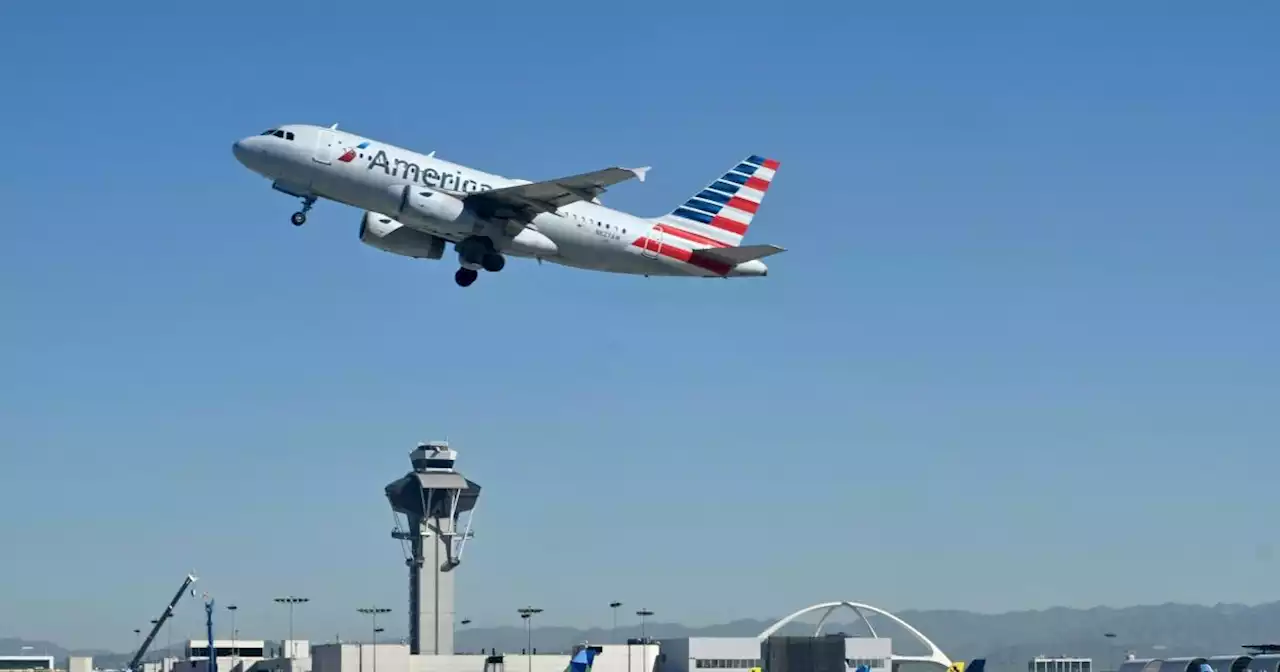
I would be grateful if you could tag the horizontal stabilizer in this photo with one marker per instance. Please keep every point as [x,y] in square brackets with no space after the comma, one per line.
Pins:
[737,255]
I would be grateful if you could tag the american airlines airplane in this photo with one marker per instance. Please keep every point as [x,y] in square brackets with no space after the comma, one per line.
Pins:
[414,204]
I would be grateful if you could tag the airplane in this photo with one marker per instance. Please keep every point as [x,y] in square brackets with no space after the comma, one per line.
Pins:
[415,204]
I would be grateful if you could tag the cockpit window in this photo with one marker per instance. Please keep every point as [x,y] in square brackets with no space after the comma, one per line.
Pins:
[288,135]
[269,131]
[278,134]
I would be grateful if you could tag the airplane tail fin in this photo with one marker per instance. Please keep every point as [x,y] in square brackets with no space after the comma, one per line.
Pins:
[724,209]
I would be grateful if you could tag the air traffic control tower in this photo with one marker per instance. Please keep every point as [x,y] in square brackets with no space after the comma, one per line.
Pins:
[437,503]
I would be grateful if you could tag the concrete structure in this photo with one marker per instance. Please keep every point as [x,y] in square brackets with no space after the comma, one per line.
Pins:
[240,655]
[1191,664]
[1265,663]
[1233,663]
[805,653]
[12,663]
[1059,664]
[79,664]
[743,653]
[1219,663]
[432,498]
[397,658]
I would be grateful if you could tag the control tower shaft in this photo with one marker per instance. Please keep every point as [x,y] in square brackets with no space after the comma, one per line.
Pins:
[437,503]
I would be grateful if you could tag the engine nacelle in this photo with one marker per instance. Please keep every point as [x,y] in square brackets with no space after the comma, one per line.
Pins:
[386,234]
[417,201]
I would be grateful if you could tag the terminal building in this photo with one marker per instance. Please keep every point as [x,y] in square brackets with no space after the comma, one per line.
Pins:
[22,663]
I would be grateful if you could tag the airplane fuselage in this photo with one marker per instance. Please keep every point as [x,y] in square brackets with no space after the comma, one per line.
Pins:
[312,162]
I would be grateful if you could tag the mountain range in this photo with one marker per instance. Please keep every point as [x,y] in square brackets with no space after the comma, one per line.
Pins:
[1006,640]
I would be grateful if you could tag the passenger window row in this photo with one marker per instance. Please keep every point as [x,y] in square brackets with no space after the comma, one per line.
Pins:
[588,220]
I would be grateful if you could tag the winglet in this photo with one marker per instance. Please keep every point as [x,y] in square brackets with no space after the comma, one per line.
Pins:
[640,172]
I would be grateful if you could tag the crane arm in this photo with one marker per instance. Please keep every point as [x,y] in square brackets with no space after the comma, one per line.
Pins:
[168,611]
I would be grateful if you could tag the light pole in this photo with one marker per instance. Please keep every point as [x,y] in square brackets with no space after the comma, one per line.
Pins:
[465,621]
[1111,645]
[137,634]
[614,634]
[292,601]
[642,613]
[235,640]
[373,612]
[527,614]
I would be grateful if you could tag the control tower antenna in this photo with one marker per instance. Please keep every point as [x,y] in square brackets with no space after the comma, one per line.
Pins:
[433,498]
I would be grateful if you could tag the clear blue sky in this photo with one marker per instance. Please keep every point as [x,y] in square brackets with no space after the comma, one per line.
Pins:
[1022,351]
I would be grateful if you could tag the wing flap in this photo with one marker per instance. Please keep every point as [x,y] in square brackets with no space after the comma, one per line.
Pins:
[527,200]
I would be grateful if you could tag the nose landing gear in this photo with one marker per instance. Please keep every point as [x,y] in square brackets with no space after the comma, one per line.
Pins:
[300,217]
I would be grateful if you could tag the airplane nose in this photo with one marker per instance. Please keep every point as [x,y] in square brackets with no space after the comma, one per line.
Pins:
[240,151]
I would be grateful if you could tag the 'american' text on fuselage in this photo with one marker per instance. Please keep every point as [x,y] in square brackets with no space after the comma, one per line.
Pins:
[428,176]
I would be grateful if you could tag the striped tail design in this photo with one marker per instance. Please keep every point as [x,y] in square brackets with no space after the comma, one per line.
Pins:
[719,215]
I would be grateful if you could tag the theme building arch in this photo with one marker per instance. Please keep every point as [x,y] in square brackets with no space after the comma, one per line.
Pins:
[935,654]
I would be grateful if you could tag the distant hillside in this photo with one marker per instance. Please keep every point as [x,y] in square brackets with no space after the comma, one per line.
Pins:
[1006,640]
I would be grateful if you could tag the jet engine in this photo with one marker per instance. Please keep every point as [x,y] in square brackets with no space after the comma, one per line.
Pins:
[386,234]
[419,202]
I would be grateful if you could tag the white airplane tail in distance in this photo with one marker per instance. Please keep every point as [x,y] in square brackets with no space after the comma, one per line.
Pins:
[416,204]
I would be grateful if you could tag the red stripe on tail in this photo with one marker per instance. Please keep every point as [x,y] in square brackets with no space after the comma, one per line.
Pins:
[743,204]
[730,225]
[683,255]
[690,236]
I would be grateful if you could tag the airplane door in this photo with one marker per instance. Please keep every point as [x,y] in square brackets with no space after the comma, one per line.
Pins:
[326,144]
[652,243]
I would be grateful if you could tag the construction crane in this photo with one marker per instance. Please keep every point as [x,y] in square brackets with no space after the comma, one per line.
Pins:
[155,629]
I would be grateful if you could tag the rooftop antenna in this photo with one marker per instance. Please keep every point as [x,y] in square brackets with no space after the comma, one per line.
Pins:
[333,127]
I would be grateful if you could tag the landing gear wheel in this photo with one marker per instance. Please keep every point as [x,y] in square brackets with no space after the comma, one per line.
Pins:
[493,262]
[298,218]
[465,276]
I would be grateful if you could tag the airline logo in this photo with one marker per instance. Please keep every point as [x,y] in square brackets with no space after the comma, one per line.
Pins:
[716,216]
[350,155]
[728,204]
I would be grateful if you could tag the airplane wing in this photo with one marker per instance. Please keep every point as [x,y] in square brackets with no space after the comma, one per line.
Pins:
[526,201]
[737,255]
